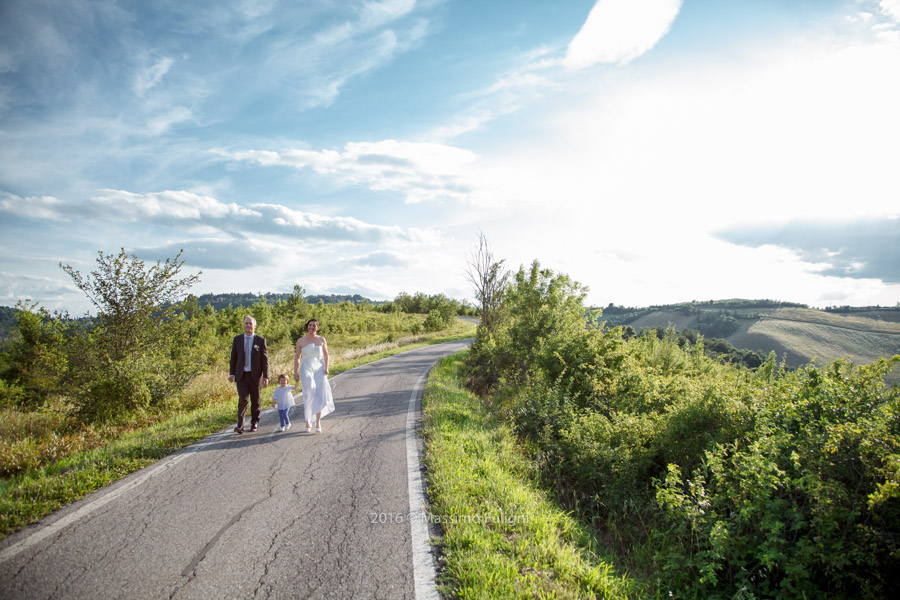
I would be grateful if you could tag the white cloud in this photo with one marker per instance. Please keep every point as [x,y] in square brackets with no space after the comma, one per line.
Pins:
[185,210]
[788,130]
[215,253]
[149,77]
[162,123]
[378,260]
[375,14]
[508,94]
[320,64]
[615,31]
[33,207]
[281,220]
[472,120]
[254,9]
[322,87]
[165,206]
[891,8]
[618,31]
[643,163]
[865,17]
[421,171]
[28,286]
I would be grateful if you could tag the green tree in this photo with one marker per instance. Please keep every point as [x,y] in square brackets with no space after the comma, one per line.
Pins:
[37,359]
[538,305]
[544,305]
[133,353]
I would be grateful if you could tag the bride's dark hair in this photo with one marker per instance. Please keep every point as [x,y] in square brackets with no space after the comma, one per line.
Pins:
[306,327]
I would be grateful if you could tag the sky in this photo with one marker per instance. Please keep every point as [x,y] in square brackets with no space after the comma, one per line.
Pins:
[655,151]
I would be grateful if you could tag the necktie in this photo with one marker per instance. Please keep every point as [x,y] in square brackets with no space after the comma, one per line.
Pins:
[247,345]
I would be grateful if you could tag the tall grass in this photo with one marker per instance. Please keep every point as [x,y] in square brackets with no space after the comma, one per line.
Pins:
[501,536]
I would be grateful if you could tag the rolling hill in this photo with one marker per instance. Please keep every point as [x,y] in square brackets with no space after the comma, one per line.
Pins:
[800,335]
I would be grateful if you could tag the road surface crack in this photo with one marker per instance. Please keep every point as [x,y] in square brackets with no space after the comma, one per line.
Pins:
[191,570]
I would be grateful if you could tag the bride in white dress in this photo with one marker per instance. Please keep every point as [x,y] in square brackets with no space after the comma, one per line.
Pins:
[311,370]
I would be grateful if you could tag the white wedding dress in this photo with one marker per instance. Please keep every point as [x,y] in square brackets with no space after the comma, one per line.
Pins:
[316,389]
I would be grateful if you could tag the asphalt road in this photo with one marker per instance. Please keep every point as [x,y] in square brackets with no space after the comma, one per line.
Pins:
[262,515]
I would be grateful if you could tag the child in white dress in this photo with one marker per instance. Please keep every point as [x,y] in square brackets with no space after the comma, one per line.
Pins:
[283,400]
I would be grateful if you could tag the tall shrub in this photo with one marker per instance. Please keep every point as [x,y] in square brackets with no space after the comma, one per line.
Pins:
[37,359]
[540,305]
[130,359]
[806,505]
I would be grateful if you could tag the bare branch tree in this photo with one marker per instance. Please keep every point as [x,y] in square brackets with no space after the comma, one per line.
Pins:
[488,279]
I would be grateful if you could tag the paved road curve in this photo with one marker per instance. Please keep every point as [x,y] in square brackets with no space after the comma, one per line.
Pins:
[263,515]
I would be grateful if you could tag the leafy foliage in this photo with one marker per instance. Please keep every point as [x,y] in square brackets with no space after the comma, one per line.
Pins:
[715,348]
[714,480]
[719,325]
[132,356]
[7,321]
[424,304]
[805,504]
[36,360]
[545,306]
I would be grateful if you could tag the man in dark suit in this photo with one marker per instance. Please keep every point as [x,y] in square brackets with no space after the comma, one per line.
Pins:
[249,368]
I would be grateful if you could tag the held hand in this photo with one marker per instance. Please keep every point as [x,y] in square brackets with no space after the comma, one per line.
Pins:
[265,382]
[231,379]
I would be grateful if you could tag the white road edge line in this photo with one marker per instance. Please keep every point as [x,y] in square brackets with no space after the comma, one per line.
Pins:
[48,530]
[423,561]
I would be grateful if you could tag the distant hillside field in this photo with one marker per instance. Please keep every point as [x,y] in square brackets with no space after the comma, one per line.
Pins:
[800,335]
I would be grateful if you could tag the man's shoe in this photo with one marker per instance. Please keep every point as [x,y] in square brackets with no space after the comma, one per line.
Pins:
[253,427]
[239,430]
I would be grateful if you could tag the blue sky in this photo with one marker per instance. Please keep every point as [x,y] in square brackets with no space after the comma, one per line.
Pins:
[657,151]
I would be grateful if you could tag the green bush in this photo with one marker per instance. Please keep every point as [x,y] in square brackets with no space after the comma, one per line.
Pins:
[36,359]
[606,458]
[720,326]
[714,480]
[11,394]
[807,504]
[110,398]
[544,305]
[434,321]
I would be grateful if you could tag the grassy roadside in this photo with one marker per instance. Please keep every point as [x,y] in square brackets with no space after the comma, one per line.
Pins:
[28,497]
[502,538]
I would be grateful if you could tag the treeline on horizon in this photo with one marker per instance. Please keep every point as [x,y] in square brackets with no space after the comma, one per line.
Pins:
[731,304]
[612,314]
[235,299]
[622,315]
[418,303]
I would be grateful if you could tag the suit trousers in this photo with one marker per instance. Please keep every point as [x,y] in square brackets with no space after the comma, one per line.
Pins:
[248,387]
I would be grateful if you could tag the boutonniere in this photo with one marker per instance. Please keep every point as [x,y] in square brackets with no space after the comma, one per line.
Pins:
[255,346]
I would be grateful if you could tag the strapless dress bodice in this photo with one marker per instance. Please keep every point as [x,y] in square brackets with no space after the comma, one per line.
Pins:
[312,353]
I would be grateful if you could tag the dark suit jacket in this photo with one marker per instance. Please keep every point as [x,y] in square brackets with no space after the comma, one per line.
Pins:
[259,358]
